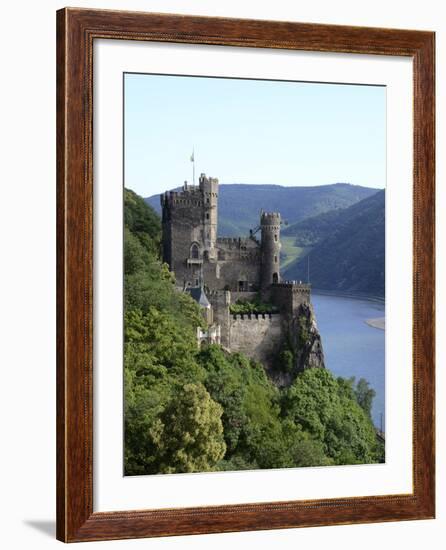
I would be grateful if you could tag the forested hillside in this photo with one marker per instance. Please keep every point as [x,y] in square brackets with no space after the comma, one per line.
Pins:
[347,248]
[239,205]
[189,409]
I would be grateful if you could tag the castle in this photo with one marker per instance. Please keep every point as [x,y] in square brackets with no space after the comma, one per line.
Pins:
[221,271]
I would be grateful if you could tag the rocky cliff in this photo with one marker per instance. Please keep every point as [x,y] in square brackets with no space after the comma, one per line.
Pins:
[302,348]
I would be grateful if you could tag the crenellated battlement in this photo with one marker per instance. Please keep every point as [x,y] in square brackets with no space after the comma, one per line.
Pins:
[255,316]
[294,286]
[289,295]
[186,197]
[204,194]
[258,335]
[241,244]
[270,218]
[234,240]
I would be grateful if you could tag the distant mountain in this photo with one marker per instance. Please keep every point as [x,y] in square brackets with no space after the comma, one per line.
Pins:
[349,248]
[240,204]
[313,230]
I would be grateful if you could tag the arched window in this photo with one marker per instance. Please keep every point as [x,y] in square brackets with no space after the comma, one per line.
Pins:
[275,278]
[194,251]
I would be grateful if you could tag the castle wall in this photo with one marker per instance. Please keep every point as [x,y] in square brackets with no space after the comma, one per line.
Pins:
[243,296]
[220,301]
[228,274]
[257,336]
[241,247]
[289,296]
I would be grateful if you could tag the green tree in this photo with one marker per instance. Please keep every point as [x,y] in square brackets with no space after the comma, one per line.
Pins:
[253,430]
[326,408]
[157,334]
[142,220]
[190,432]
[364,395]
[223,381]
[285,360]
[147,390]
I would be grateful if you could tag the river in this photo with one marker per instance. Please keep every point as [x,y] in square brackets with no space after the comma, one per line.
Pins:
[351,346]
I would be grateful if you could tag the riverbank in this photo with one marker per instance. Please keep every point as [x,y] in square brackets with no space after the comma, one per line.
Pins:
[379,322]
[349,294]
[352,348]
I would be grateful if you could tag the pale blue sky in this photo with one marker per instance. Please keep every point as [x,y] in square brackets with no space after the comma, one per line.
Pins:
[251,131]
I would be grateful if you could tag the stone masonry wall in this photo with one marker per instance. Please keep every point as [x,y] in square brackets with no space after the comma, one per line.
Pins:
[257,336]
[289,296]
[220,301]
[227,274]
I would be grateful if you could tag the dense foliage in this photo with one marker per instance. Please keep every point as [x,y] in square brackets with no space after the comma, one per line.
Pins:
[348,251]
[252,306]
[189,410]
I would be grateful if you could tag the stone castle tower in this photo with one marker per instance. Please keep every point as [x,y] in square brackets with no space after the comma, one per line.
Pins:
[270,245]
[189,226]
[224,270]
[189,220]
[194,251]
[209,191]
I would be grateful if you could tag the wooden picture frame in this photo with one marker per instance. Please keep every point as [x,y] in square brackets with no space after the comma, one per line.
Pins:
[76,31]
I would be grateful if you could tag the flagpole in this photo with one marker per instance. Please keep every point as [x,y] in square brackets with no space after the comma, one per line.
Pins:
[192,158]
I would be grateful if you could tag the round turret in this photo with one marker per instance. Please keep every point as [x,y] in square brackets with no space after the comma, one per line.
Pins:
[270,247]
[209,190]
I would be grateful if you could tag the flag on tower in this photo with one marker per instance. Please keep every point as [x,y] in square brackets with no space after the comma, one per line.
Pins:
[192,159]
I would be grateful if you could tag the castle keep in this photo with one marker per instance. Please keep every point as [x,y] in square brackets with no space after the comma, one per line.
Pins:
[220,271]
[193,250]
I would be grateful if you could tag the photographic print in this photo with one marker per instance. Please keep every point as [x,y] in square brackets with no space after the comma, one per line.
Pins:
[254,274]
[245,274]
